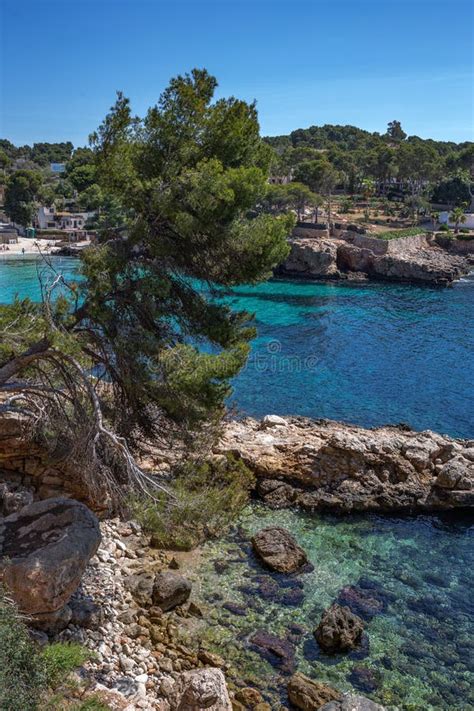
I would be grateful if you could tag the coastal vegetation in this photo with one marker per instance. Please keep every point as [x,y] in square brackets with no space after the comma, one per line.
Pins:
[31,679]
[135,358]
[186,179]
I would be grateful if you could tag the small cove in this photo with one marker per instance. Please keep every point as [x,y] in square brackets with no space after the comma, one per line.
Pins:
[371,354]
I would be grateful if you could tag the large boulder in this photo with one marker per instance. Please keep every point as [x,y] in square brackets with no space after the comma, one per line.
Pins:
[170,590]
[44,549]
[352,702]
[312,258]
[277,548]
[339,630]
[202,689]
[309,695]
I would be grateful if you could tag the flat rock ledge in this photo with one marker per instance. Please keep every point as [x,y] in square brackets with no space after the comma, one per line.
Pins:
[321,464]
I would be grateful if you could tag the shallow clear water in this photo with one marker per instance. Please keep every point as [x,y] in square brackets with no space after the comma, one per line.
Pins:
[421,650]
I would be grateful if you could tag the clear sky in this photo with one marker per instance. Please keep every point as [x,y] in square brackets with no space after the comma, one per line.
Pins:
[360,62]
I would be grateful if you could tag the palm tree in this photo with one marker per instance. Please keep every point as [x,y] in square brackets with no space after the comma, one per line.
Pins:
[434,219]
[458,217]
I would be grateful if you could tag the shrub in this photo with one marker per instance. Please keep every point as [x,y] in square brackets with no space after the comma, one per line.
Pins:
[60,659]
[465,230]
[346,205]
[207,497]
[444,228]
[93,703]
[22,677]
[396,234]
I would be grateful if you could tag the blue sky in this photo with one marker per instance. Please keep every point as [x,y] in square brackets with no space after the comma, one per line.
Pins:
[358,62]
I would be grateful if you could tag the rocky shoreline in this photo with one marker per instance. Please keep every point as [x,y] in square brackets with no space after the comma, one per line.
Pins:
[105,586]
[422,259]
[326,465]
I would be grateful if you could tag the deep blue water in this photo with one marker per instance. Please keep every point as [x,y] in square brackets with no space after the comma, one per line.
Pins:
[371,354]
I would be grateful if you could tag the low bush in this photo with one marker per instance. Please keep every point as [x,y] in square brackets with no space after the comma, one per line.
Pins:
[60,659]
[396,234]
[22,675]
[205,499]
[29,676]
[444,228]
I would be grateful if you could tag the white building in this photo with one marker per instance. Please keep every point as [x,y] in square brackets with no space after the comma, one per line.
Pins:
[468,224]
[73,224]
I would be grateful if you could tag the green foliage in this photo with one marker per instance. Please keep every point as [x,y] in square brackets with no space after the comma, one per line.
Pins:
[458,217]
[4,160]
[93,703]
[22,190]
[395,131]
[452,191]
[346,205]
[207,498]
[444,228]
[183,184]
[60,659]
[396,234]
[45,153]
[22,677]
[319,175]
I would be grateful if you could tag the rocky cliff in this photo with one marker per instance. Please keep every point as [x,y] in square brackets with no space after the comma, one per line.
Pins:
[320,464]
[415,260]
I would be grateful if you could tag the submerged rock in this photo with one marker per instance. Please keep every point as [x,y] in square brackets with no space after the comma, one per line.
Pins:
[44,550]
[277,548]
[339,630]
[364,602]
[170,590]
[279,652]
[309,695]
[363,679]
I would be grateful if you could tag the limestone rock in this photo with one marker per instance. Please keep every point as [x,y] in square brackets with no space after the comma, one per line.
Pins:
[309,695]
[44,549]
[352,702]
[202,689]
[13,497]
[339,630]
[416,260]
[277,548]
[141,587]
[170,590]
[321,464]
[312,257]
[249,697]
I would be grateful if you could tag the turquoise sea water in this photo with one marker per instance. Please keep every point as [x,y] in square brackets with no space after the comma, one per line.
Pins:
[414,576]
[371,354]
[20,276]
[368,354]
